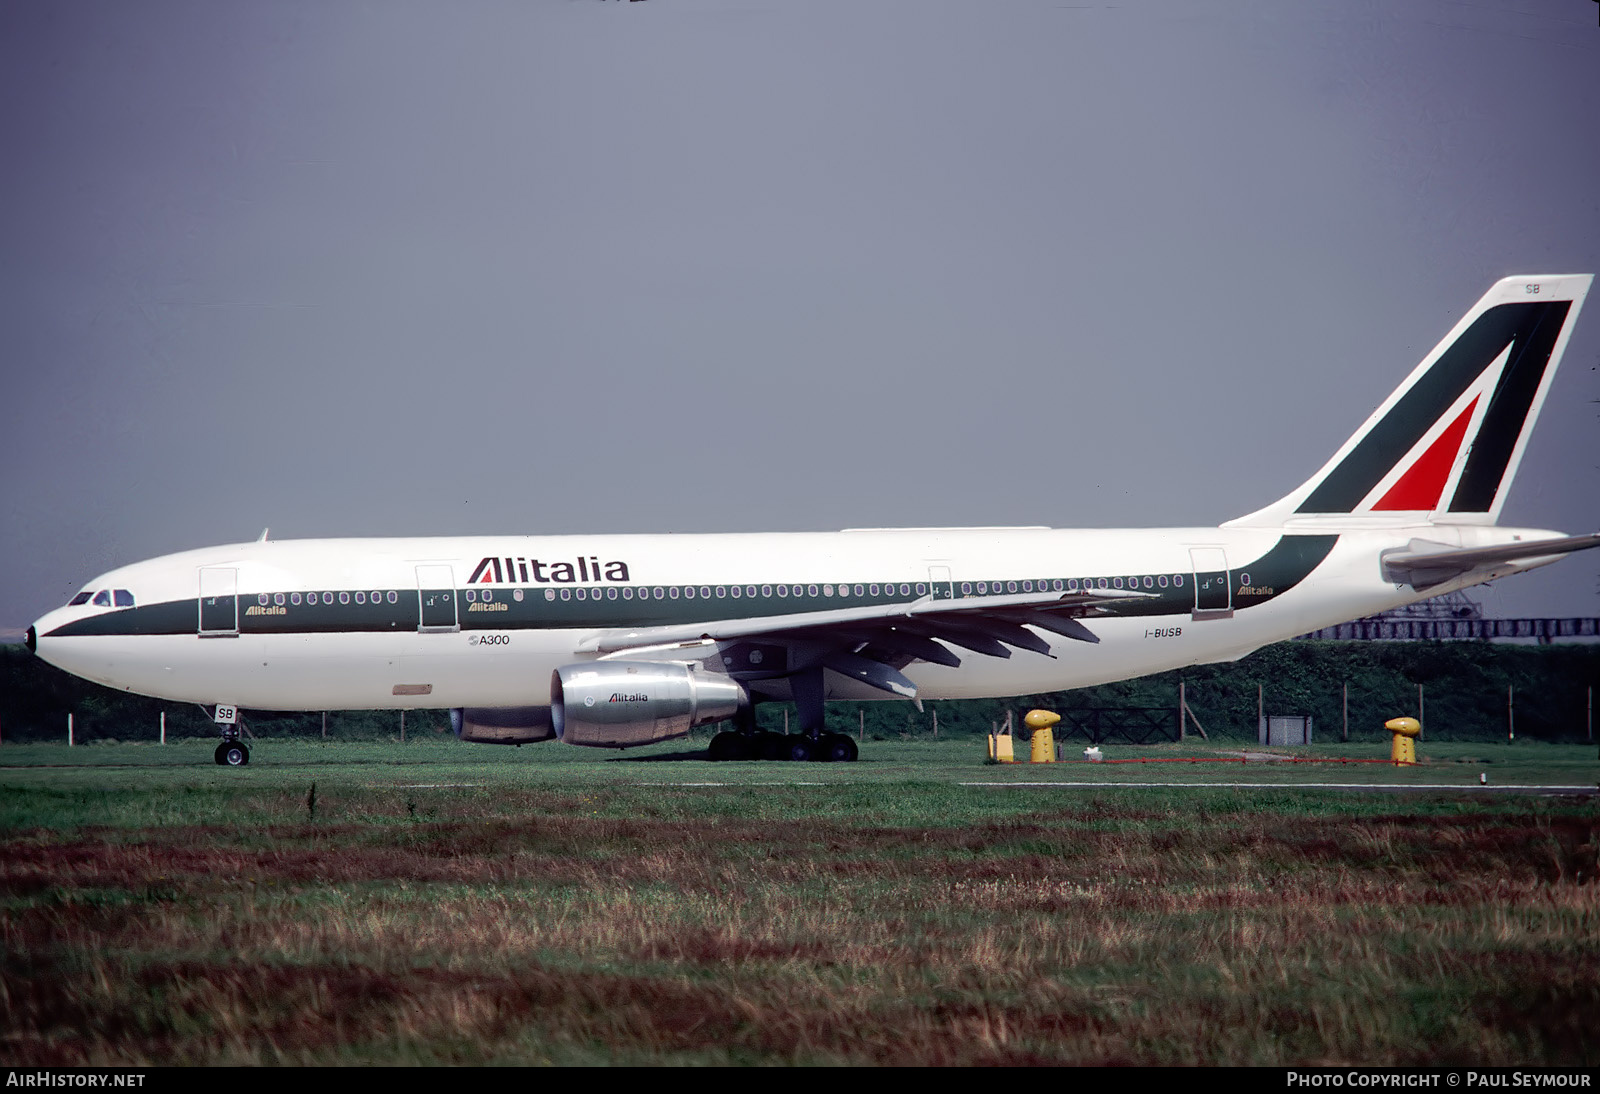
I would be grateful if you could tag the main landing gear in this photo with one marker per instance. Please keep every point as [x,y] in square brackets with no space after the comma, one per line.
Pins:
[799,747]
[811,743]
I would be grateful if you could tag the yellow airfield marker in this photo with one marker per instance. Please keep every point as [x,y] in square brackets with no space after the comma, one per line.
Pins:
[1043,750]
[1406,731]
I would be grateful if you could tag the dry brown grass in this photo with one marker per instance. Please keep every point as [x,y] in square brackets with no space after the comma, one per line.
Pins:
[1117,930]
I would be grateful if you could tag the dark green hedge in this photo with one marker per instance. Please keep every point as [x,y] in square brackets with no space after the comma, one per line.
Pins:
[1464,691]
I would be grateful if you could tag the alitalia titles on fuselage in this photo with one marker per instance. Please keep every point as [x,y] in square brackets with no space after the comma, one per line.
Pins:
[515,570]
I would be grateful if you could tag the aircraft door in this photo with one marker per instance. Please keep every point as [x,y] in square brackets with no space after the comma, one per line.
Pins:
[219,602]
[436,596]
[939,582]
[1213,585]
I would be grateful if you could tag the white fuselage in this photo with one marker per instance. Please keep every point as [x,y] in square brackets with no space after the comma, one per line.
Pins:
[348,624]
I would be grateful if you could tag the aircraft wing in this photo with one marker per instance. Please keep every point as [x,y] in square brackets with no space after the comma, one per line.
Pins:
[1422,564]
[871,644]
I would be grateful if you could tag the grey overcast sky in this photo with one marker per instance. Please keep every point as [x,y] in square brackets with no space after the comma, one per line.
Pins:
[736,265]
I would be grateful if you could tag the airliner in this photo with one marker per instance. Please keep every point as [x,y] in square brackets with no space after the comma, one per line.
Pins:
[624,640]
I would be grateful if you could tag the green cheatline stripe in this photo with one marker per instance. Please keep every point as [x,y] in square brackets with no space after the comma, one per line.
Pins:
[1282,567]
[1531,330]
[1487,459]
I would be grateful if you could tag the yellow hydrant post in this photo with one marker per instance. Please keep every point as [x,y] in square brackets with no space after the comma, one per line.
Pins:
[1405,730]
[1043,750]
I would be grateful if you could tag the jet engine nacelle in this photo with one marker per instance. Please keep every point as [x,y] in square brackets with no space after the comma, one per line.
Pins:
[620,704]
[502,725]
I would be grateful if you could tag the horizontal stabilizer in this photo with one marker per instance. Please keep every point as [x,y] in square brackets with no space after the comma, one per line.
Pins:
[1422,564]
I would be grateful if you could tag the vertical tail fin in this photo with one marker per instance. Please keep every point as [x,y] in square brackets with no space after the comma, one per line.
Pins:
[1445,445]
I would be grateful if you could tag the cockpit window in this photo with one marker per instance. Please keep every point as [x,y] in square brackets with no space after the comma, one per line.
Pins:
[124,598]
[81,598]
[102,599]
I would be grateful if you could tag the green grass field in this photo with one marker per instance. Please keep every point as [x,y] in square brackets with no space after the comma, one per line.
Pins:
[436,902]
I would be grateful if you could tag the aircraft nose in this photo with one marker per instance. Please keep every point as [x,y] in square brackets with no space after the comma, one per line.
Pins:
[33,640]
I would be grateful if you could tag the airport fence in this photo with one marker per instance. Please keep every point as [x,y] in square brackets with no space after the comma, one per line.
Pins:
[1460,691]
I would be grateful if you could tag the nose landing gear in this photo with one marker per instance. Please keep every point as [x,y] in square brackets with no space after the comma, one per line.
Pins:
[232,752]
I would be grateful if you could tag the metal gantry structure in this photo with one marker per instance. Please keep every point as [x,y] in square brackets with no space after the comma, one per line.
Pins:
[1454,616]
